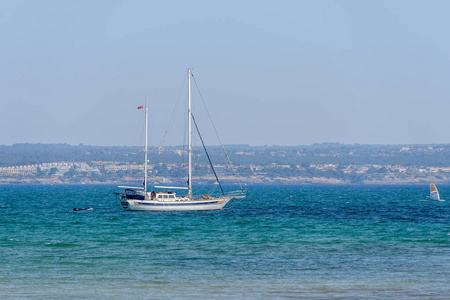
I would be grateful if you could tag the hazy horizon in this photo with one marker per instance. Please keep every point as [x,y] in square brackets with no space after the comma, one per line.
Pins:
[230,145]
[281,73]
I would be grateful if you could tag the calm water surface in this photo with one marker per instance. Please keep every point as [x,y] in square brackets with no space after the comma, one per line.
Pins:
[312,242]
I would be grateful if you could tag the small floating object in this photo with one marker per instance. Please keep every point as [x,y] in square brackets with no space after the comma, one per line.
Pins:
[81,209]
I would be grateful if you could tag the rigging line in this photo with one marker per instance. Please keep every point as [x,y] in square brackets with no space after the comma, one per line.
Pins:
[217,133]
[207,155]
[233,205]
[171,120]
[146,125]
[185,134]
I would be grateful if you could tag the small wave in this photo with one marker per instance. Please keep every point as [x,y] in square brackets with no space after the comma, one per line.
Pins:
[60,245]
[8,240]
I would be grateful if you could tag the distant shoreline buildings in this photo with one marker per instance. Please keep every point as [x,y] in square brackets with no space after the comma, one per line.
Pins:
[109,171]
[319,163]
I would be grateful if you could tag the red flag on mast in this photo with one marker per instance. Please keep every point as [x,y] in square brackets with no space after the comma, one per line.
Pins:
[142,106]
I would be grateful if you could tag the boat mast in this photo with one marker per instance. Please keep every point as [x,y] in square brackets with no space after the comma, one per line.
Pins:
[146,145]
[190,135]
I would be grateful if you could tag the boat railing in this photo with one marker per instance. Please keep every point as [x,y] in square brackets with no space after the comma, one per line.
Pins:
[236,194]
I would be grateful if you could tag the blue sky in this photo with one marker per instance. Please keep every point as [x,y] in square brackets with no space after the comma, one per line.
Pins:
[271,72]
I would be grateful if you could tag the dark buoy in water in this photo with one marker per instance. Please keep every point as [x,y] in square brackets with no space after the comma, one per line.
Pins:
[81,209]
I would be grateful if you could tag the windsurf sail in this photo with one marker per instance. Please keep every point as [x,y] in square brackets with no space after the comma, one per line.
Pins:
[434,193]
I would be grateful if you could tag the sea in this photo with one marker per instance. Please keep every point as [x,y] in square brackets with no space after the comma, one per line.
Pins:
[282,241]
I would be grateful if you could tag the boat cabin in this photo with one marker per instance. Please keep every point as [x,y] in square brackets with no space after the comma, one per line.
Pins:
[167,194]
[137,193]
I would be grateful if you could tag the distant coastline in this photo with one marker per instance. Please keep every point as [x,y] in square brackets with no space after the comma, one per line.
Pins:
[328,163]
[228,181]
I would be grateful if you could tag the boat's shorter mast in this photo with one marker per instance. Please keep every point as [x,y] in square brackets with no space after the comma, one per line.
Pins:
[146,145]
[189,135]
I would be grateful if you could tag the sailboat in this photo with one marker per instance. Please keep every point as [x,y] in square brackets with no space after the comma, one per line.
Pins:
[166,199]
[434,193]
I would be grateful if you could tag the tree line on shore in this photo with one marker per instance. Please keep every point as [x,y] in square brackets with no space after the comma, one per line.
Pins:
[241,155]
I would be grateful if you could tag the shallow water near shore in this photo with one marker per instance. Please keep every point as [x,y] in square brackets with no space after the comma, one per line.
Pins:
[304,241]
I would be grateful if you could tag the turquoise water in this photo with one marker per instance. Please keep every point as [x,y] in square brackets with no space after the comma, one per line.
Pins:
[312,242]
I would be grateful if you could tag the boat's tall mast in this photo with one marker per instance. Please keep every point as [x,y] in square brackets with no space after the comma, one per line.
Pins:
[146,145]
[190,135]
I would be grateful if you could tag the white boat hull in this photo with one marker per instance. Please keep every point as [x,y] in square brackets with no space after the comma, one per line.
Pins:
[152,205]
